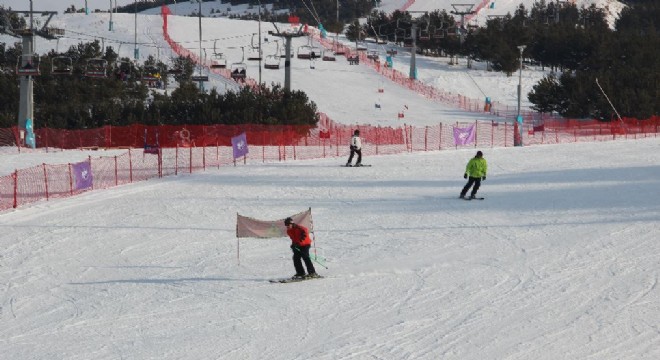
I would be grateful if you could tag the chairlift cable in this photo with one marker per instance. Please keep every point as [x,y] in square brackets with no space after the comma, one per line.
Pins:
[314,15]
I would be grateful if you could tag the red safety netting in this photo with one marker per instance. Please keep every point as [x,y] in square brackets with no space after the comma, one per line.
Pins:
[156,151]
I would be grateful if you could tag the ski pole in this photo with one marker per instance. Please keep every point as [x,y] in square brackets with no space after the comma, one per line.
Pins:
[316,261]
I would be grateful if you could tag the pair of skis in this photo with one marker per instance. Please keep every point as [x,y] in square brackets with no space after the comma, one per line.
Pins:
[471,198]
[291,280]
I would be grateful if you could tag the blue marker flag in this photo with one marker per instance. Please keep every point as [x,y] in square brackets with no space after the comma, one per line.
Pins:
[82,175]
[239,145]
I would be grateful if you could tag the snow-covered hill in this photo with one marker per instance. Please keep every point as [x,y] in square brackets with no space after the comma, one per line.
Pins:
[332,85]
[561,261]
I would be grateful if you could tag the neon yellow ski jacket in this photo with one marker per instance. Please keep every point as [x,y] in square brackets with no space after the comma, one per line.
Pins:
[476,167]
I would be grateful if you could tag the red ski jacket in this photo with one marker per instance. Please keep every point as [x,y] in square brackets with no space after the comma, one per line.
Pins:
[299,235]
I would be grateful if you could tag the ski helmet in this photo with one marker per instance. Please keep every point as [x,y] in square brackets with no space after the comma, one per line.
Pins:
[288,221]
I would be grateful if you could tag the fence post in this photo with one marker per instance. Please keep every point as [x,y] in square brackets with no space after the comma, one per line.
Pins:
[116,172]
[426,138]
[377,138]
[70,180]
[440,136]
[204,157]
[15,176]
[405,136]
[476,133]
[190,164]
[176,160]
[263,147]
[90,170]
[338,137]
[492,133]
[45,180]
[130,166]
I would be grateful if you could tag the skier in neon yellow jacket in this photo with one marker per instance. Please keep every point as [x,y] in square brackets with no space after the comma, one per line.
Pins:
[475,172]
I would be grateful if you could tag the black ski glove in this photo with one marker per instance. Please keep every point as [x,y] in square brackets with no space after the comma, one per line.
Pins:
[465,176]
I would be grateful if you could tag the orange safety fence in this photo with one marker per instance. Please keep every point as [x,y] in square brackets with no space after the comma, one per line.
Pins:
[171,150]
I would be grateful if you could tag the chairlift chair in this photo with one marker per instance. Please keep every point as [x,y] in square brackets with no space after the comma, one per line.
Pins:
[438,33]
[218,61]
[273,61]
[304,52]
[255,51]
[61,65]
[254,54]
[96,68]
[328,56]
[28,65]
[315,52]
[309,51]
[338,50]
[123,69]
[238,71]
[373,55]
[150,73]
[175,71]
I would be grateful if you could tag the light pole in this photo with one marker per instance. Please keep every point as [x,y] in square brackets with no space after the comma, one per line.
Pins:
[136,51]
[201,83]
[110,27]
[519,119]
[260,52]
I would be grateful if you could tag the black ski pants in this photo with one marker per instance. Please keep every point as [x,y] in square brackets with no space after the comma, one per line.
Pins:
[302,253]
[353,152]
[476,181]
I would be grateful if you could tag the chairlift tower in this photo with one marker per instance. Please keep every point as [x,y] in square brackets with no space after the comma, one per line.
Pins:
[462,10]
[26,81]
[287,62]
[413,34]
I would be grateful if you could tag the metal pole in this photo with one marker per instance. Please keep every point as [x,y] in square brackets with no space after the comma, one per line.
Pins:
[136,51]
[287,64]
[260,52]
[413,61]
[110,27]
[519,120]
[201,83]
[26,98]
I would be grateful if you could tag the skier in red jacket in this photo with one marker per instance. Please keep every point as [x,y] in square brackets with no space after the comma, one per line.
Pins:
[300,244]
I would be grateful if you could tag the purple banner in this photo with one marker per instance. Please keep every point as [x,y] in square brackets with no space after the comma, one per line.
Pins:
[240,146]
[82,175]
[464,136]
